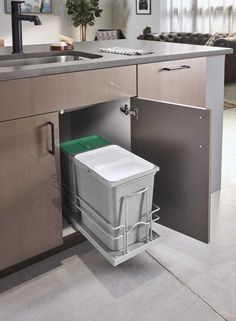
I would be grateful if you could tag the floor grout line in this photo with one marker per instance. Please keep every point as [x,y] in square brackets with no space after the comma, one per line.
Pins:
[188,287]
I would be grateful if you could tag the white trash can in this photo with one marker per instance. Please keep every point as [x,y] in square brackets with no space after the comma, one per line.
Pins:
[104,177]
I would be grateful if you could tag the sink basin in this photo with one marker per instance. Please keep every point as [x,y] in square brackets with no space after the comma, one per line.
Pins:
[21,60]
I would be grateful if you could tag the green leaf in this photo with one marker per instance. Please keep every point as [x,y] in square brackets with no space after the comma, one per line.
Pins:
[83,12]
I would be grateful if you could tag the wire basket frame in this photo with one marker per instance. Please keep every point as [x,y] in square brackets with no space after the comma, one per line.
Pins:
[125,230]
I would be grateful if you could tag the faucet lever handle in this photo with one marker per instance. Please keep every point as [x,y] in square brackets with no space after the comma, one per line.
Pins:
[15,4]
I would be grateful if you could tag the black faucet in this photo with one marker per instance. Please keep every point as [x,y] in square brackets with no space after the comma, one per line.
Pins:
[17,19]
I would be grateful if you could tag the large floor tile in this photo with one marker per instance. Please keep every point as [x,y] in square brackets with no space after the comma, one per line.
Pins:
[79,284]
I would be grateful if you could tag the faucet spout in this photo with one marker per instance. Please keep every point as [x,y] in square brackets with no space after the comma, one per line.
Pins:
[17,19]
[34,19]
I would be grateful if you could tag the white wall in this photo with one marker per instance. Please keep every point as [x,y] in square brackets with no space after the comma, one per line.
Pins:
[117,14]
[124,17]
[52,24]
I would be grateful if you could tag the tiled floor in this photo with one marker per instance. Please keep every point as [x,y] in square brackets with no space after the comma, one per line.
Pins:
[194,282]
[79,285]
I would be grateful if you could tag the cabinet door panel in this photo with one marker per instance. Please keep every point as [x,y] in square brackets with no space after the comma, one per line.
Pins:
[30,213]
[177,139]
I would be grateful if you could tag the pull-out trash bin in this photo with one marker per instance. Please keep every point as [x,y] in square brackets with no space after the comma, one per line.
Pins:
[115,189]
[68,150]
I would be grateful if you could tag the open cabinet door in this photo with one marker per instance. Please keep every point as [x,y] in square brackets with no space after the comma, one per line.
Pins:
[176,138]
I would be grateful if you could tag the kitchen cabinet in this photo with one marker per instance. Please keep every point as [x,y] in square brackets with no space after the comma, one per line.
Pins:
[30,212]
[167,123]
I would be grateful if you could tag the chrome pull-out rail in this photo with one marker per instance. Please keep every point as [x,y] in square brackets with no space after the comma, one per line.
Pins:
[128,251]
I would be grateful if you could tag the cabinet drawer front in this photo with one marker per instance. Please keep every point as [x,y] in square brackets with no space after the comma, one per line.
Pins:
[179,81]
[34,96]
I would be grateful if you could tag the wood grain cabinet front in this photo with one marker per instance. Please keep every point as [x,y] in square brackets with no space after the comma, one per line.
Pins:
[179,81]
[30,212]
[38,95]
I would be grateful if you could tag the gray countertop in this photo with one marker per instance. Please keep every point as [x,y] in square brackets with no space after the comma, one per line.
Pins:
[162,52]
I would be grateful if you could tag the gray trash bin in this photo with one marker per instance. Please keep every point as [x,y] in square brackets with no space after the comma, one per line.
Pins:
[104,177]
[68,150]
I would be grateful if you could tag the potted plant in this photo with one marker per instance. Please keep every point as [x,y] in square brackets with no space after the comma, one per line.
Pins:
[147,30]
[83,13]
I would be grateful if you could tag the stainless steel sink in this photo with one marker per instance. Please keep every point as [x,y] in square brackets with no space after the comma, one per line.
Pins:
[17,61]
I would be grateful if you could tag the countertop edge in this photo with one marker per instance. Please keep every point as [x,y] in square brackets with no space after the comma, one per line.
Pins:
[112,61]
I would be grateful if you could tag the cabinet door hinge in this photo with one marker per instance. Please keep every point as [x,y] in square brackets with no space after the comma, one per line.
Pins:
[134,113]
[127,111]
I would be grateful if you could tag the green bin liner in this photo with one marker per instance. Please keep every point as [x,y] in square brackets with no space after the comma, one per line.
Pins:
[84,144]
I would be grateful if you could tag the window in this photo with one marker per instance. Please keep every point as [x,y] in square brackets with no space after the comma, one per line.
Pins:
[201,15]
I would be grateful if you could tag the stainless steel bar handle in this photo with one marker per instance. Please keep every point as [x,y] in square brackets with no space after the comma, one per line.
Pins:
[52,150]
[176,68]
